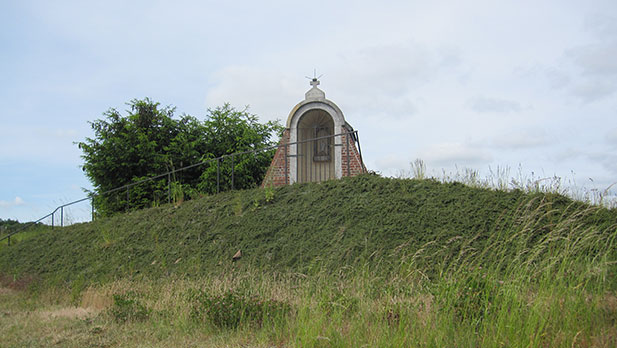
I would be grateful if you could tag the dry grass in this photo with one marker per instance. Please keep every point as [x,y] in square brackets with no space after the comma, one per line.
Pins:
[6,291]
[327,312]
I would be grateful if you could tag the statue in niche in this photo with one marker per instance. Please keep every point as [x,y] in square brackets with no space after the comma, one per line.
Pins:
[321,150]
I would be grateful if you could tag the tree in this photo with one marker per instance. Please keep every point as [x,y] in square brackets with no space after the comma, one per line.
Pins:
[229,131]
[149,141]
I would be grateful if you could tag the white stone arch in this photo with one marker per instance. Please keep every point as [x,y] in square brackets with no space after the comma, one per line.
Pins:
[315,101]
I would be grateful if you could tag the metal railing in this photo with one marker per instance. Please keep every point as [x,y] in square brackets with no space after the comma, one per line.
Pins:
[352,134]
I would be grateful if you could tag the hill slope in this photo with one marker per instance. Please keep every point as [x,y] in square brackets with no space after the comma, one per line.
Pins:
[332,224]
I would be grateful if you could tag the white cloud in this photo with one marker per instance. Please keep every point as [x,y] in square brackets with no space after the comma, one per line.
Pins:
[271,94]
[390,76]
[39,144]
[611,137]
[592,89]
[557,79]
[391,69]
[485,104]
[568,154]
[392,162]
[599,161]
[593,67]
[521,139]
[596,59]
[373,79]
[448,154]
[607,159]
[71,134]
[602,25]
[17,201]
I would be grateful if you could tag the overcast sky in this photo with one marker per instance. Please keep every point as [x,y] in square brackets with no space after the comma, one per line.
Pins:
[459,84]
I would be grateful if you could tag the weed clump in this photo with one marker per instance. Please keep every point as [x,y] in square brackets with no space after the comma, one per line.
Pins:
[128,308]
[469,296]
[231,309]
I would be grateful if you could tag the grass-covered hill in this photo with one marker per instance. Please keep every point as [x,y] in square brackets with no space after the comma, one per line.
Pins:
[366,221]
[364,261]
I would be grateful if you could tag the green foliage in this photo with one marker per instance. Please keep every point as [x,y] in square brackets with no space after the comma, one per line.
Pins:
[351,222]
[177,192]
[339,301]
[128,308]
[77,286]
[469,295]
[232,309]
[363,261]
[8,223]
[231,131]
[24,231]
[269,193]
[149,141]
[8,226]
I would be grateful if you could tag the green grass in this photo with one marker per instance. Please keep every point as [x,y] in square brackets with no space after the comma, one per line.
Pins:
[364,261]
[299,228]
[349,309]
[27,233]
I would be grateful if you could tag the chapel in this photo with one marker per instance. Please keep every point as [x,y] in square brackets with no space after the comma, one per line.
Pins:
[317,144]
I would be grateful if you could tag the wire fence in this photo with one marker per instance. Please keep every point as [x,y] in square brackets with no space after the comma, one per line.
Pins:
[224,180]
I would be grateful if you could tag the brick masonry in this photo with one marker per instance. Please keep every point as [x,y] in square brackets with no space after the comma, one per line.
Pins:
[279,173]
[352,156]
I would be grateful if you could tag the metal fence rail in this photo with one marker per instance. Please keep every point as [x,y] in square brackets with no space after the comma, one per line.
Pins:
[352,134]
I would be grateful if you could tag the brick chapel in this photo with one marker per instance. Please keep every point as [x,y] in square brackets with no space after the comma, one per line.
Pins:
[317,144]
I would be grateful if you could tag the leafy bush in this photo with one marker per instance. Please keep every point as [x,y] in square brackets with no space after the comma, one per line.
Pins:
[231,309]
[149,141]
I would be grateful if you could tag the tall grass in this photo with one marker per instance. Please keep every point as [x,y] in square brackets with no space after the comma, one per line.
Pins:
[503,179]
[25,234]
[545,277]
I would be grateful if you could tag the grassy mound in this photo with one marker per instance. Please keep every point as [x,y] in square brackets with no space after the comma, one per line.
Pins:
[368,221]
[363,261]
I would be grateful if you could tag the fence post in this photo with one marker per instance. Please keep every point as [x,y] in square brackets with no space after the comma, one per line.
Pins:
[127,199]
[92,205]
[232,172]
[62,216]
[52,219]
[218,175]
[286,167]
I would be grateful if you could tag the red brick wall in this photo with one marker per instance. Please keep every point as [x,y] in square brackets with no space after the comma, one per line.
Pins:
[356,166]
[276,175]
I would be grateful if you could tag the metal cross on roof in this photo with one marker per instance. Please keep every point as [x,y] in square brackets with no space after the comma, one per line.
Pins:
[315,78]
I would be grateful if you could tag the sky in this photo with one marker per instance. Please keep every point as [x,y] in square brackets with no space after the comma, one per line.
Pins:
[528,88]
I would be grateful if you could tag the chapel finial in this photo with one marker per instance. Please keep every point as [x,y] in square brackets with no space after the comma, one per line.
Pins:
[315,79]
[315,93]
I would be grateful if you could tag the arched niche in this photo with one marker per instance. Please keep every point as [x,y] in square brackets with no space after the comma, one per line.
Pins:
[309,160]
[315,157]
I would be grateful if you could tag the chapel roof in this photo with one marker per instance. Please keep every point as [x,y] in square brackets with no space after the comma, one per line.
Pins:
[315,96]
